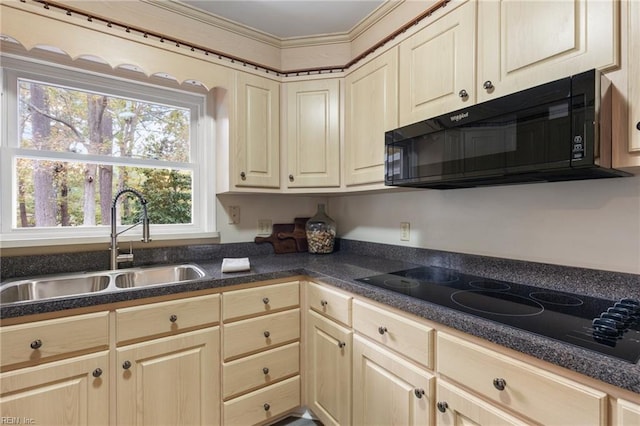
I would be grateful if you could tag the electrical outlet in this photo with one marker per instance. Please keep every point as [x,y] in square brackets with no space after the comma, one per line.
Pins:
[264,227]
[234,215]
[405,231]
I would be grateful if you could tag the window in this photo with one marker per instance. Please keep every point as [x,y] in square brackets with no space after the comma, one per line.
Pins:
[72,139]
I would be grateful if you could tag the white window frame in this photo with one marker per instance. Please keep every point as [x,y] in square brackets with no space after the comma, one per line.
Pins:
[202,154]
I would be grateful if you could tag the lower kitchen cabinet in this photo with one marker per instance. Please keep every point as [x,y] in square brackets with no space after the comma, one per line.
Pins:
[626,413]
[73,391]
[328,370]
[171,380]
[529,391]
[389,390]
[457,407]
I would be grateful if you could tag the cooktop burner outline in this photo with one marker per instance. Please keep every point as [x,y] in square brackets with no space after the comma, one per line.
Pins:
[513,305]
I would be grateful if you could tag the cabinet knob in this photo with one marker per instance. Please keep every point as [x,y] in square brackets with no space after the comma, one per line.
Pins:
[267,334]
[265,300]
[97,372]
[266,407]
[488,85]
[265,370]
[638,125]
[342,344]
[126,365]
[442,406]
[291,178]
[499,384]
[463,94]
[382,330]
[36,344]
[418,392]
[243,176]
[173,318]
[324,303]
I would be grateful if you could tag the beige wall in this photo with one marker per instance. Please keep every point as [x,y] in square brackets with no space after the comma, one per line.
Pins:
[592,224]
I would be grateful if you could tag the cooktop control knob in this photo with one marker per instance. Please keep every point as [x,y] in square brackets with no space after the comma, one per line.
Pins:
[618,318]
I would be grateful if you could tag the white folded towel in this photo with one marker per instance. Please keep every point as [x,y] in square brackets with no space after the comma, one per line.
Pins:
[235,264]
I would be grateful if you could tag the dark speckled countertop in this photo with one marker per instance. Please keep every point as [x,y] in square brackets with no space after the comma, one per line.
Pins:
[340,269]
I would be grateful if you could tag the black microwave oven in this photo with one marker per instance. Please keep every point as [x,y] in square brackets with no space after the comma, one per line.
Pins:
[553,132]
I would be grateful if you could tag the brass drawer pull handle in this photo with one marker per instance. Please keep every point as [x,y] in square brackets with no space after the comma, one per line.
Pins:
[173,318]
[36,344]
[499,384]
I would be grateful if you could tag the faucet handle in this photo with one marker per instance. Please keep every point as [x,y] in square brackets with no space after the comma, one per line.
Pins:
[126,257]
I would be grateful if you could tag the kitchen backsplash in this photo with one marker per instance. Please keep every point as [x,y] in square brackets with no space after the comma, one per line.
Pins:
[579,280]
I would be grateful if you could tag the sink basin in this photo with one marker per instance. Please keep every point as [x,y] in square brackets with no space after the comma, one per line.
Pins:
[83,283]
[158,275]
[54,286]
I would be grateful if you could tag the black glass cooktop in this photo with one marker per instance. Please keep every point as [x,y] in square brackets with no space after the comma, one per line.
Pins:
[606,326]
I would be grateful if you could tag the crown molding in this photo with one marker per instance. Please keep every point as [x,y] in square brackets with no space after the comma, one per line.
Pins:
[180,8]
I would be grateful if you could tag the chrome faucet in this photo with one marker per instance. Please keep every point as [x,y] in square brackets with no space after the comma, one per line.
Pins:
[116,257]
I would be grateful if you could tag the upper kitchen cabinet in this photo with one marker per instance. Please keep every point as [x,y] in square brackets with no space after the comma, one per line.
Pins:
[437,66]
[312,133]
[371,101]
[525,43]
[255,156]
[633,49]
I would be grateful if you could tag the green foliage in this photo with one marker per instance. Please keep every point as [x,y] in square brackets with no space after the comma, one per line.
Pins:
[127,128]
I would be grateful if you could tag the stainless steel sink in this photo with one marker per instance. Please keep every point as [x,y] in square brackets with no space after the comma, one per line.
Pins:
[159,275]
[53,286]
[82,283]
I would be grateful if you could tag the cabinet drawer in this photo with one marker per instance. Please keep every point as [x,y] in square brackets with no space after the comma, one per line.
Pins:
[404,335]
[533,392]
[333,304]
[259,370]
[166,317]
[260,333]
[37,341]
[260,300]
[264,404]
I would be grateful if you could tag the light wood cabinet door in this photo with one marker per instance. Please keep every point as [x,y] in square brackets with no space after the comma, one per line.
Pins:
[456,407]
[371,101]
[257,151]
[437,66]
[525,43]
[172,380]
[328,370]
[313,133]
[626,413]
[387,389]
[633,50]
[74,391]
[529,391]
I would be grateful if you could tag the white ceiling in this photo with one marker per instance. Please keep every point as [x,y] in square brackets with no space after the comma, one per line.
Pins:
[291,18]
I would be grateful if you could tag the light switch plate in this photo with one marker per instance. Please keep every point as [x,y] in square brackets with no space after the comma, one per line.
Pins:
[405,231]
[234,215]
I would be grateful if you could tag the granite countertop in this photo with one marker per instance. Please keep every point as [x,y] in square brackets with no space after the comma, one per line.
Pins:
[341,270]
